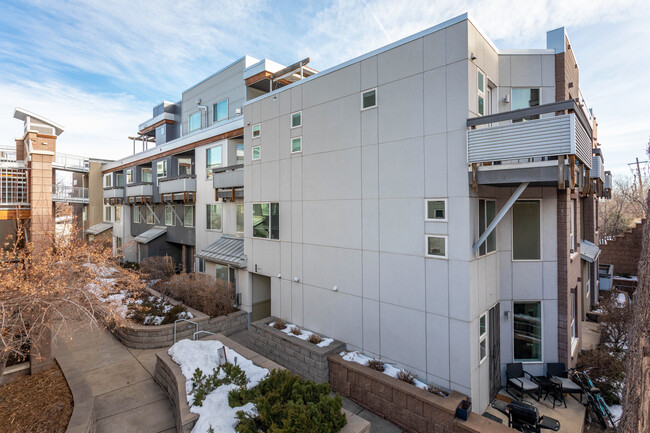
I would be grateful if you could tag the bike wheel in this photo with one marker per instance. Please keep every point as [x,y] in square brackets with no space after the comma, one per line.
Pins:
[596,409]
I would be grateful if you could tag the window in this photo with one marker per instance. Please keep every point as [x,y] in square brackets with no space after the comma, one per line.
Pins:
[195,121]
[481,93]
[214,216]
[436,210]
[220,111]
[525,98]
[574,333]
[161,169]
[129,176]
[257,130]
[572,232]
[118,244]
[188,216]
[222,273]
[266,220]
[527,332]
[296,145]
[184,166]
[212,159]
[296,119]
[526,230]
[119,179]
[108,213]
[84,213]
[486,213]
[108,180]
[257,153]
[160,130]
[240,218]
[240,153]
[146,175]
[202,265]
[149,215]
[118,214]
[136,214]
[169,215]
[436,246]
[482,338]
[369,99]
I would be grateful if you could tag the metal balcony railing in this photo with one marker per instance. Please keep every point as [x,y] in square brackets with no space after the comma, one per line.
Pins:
[139,190]
[64,161]
[115,192]
[176,185]
[228,177]
[70,194]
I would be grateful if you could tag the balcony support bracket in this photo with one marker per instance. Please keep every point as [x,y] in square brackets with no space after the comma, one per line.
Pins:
[499,216]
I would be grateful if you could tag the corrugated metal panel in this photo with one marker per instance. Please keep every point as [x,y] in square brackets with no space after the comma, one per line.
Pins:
[583,144]
[228,179]
[228,250]
[99,228]
[535,138]
[597,169]
[608,180]
[168,186]
[589,251]
[150,234]
[139,190]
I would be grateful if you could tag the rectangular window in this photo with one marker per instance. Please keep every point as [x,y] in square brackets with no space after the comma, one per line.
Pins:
[214,216]
[482,338]
[526,230]
[84,214]
[146,175]
[184,166]
[169,215]
[527,332]
[202,265]
[161,169]
[369,99]
[296,145]
[220,111]
[119,179]
[240,153]
[486,214]
[188,216]
[222,273]
[108,180]
[436,210]
[257,130]
[572,232]
[574,333]
[240,218]
[108,213]
[525,98]
[257,153]
[118,214]
[436,246]
[481,93]
[136,214]
[212,159]
[296,119]
[129,176]
[266,220]
[149,217]
[195,121]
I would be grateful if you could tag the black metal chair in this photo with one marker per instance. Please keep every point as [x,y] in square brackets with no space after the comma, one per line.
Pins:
[524,417]
[558,371]
[521,381]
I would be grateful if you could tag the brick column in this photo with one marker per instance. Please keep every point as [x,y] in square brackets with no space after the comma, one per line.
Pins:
[41,151]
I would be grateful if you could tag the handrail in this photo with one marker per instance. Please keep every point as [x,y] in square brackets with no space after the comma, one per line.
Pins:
[184,320]
[184,176]
[202,332]
[553,107]
[229,168]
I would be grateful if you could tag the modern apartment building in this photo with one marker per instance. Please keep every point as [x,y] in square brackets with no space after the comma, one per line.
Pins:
[433,202]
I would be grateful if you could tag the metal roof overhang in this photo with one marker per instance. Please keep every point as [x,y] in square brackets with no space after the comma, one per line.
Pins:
[589,251]
[99,228]
[150,234]
[229,250]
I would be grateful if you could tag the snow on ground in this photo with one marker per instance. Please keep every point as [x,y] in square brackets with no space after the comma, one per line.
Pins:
[389,369]
[617,412]
[305,334]
[215,412]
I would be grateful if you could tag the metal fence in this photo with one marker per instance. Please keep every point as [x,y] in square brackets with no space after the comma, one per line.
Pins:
[14,183]
[68,193]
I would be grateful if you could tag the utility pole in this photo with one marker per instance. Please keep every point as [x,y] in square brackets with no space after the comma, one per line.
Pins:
[638,169]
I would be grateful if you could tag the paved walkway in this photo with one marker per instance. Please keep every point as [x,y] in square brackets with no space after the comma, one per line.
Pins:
[126,397]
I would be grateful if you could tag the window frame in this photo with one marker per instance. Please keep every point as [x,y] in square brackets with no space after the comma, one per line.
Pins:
[239,147]
[426,246]
[541,232]
[129,175]
[243,218]
[480,93]
[207,217]
[118,176]
[363,92]
[173,220]
[117,213]
[259,130]
[208,167]
[487,224]
[189,122]
[149,213]
[426,210]
[136,212]
[178,165]
[270,231]
[149,170]
[108,210]
[215,108]
[164,163]
[541,338]
[299,113]
[296,138]
[259,156]
[185,216]
[482,338]
[108,177]
[572,227]
[201,266]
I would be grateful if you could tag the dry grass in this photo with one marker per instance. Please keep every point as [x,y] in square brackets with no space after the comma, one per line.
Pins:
[157,267]
[202,292]
[437,391]
[314,339]
[376,364]
[38,403]
[280,324]
[406,376]
[295,330]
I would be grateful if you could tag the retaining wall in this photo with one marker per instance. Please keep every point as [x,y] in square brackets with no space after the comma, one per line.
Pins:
[301,357]
[82,419]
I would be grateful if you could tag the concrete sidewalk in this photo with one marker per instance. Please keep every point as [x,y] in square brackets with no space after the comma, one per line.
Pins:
[126,397]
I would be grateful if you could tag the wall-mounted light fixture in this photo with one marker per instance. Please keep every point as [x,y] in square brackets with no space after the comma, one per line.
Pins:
[506,99]
[472,56]
[275,97]
[335,288]
[279,275]
[296,279]
[506,314]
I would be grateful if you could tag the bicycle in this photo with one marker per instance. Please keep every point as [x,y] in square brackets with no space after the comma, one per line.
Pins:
[594,399]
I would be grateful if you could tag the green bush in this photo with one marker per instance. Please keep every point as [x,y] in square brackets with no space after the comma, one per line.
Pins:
[204,385]
[288,404]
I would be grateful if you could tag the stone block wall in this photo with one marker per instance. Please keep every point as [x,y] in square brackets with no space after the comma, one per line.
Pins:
[624,251]
[301,357]
[169,376]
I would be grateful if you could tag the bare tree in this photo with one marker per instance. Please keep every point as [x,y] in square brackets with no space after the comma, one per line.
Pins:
[627,205]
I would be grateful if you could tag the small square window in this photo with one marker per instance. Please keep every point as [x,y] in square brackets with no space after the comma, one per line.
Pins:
[296,145]
[296,119]
[257,153]
[436,246]
[436,210]
[369,99]
[257,130]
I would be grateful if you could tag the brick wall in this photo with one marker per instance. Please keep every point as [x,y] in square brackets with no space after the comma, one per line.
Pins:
[566,74]
[624,251]
[301,357]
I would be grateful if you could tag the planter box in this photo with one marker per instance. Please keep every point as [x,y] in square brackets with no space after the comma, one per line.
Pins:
[464,409]
[301,357]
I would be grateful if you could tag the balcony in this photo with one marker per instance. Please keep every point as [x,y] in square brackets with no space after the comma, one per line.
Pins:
[597,166]
[114,195]
[70,194]
[63,161]
[177,189]
[228,177]
[555,148]
[139,193]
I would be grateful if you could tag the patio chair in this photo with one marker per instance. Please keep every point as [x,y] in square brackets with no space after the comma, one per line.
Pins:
[521,381]
[558,371]
[524,417]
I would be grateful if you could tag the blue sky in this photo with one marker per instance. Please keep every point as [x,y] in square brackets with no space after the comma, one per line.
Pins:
[98,67]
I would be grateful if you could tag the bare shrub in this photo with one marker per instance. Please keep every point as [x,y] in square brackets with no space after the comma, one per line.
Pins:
[203,292]
[406,376]
[376,364]
[437,391]
[314,339]
[280,324]
[157,267]
[614,323]
[606,371]
[295,330]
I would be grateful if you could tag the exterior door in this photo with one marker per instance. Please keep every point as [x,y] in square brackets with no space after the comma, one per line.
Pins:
[495,350]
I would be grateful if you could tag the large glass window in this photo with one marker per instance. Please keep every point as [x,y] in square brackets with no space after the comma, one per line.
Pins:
[184,166]
[146,175]
[136,214]
[212,159]
[240,218]
[169,215]
[161,169]
[525,98]
[188,216]
[486,213]
[436,210]
[526,230]
[436,246]
[195,121]
[527,331]
[266,220]
[220,111]
[214,216]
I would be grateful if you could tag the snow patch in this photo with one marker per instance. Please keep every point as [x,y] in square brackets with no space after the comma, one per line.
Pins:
[389,369]
[305,334]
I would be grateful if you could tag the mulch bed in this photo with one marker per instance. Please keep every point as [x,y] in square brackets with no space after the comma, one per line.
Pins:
[40,403]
